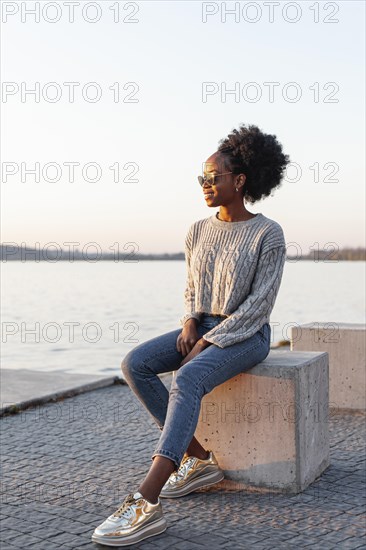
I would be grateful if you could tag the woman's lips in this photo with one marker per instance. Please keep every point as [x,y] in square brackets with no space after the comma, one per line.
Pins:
[209,196]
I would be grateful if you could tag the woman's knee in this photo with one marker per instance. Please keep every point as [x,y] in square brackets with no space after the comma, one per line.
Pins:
[131,364]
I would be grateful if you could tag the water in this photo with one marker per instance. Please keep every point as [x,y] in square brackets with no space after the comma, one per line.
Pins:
[84,317]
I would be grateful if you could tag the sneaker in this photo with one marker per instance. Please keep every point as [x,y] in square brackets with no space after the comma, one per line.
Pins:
[135,520]
[192,474]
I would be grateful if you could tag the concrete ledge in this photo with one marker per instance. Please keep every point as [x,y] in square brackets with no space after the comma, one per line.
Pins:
[346,345]
[269,426]
[23,388]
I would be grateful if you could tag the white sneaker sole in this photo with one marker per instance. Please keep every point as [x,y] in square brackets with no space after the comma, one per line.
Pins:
[198,483]
[149,531]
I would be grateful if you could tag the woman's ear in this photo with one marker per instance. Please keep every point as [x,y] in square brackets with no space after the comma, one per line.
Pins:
[241,179]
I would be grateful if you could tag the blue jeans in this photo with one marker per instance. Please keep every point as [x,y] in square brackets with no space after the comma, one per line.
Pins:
[177,412]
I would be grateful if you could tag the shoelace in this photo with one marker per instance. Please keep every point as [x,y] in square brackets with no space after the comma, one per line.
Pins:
[125,510]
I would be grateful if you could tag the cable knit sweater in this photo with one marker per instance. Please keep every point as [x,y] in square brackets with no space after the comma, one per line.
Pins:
[233,269]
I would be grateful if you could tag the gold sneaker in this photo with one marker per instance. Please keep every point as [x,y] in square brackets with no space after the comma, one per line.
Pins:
[135,520]
[192,474]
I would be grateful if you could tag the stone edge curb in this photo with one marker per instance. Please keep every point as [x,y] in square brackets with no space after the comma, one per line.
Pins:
[51,397]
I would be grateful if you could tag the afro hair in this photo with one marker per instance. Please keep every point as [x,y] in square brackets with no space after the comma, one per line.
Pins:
[247,150]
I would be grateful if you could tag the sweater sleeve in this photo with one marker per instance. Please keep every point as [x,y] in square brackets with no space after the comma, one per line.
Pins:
[255,310]
[189,293]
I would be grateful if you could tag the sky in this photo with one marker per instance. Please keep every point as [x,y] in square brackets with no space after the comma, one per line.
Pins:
[151,99]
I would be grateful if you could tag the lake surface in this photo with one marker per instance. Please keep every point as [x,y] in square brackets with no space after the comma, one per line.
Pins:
[84,317]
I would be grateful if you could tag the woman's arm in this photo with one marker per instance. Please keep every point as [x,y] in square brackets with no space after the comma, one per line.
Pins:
[255,310]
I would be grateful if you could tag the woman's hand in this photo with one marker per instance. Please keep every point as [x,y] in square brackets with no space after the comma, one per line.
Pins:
[199,346]
[189,343]
[188,337]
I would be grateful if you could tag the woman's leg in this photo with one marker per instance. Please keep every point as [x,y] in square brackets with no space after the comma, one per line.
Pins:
[208,369]
[141,366]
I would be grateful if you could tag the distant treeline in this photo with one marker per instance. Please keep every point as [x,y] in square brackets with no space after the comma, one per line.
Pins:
[49,254]
[343,254]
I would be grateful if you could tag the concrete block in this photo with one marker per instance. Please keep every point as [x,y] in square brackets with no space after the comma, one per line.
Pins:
[268,427]
[346,345]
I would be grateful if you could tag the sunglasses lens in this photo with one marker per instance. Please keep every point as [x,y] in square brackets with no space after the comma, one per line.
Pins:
[208,179]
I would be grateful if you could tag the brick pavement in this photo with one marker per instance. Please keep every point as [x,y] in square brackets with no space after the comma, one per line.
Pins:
[69,464]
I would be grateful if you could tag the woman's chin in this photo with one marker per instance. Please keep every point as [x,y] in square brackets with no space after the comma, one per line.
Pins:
[210,202]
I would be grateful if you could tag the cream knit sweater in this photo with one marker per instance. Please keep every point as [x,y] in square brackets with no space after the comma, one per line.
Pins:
[233,269]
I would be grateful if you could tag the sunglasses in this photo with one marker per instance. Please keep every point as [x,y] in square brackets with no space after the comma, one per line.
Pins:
[210,179]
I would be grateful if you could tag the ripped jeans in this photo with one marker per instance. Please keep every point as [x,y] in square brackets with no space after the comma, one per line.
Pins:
[176,412]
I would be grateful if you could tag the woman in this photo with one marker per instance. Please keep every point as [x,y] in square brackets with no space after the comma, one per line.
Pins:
[235,261]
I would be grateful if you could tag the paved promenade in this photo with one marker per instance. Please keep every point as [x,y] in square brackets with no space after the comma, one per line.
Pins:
[21,388]
[67,465]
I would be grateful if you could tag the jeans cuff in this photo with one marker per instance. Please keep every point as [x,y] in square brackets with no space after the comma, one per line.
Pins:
[167,454]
